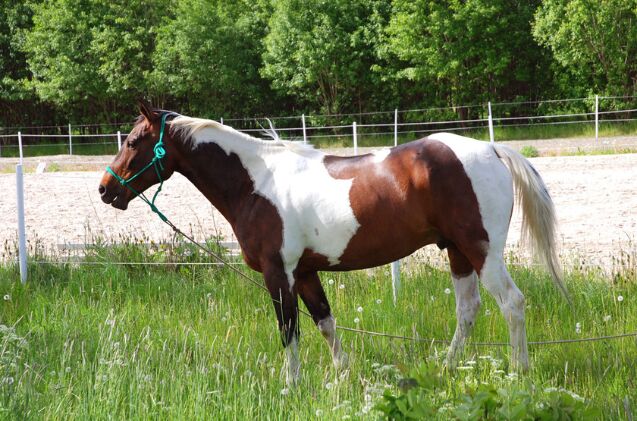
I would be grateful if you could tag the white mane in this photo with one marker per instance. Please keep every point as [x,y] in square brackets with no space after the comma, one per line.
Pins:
[198,130]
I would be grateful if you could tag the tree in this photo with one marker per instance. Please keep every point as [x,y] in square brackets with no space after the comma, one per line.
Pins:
[322,51]
[208,57]
[16,99]
[91,57]
[594,40]
[468,51]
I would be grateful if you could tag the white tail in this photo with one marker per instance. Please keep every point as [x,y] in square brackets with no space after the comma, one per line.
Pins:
[538,213]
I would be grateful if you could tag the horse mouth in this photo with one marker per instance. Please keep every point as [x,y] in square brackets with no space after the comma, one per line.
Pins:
[117,199]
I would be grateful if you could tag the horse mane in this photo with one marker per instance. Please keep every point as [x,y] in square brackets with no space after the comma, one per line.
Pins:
[191,128]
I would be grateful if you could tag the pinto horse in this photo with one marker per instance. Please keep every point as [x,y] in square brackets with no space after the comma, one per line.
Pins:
[296,211]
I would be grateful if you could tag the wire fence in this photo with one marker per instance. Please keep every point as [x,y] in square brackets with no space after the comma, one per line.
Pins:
[510,120]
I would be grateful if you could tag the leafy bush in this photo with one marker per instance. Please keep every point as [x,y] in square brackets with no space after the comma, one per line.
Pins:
[530,151]
[424,395]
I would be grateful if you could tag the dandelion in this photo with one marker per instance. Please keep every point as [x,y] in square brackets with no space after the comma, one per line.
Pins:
[447,291]
[209,295]
[379,301]
[487,312]
[285,391]
[8,380]
[67,369]
[578,327]
[432,298]
[607,318]
[357,320]
[620,298]
[341,286]
[330,281]
[7,297]
[319,412]
[329,386]
[359,309]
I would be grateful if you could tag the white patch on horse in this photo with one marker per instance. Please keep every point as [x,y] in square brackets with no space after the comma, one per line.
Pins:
[314,207]
[491,182]
[381,154]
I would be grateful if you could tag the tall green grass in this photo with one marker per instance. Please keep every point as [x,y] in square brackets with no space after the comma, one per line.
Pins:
[115,341]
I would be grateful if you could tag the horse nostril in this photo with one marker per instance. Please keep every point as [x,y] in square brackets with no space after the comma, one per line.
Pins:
[102,189]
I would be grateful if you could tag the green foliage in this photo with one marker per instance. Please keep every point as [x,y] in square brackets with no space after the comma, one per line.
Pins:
[529,151]
[470,50]
[322,51]
[596,41]
[424,396]
[87,61]
[208,57]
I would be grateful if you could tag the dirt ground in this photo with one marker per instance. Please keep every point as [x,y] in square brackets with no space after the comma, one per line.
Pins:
[595,197]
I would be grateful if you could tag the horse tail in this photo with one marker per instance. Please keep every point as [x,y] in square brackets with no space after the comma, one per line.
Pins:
[539,223]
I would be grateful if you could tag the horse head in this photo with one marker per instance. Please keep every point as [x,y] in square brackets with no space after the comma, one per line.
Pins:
[147,157]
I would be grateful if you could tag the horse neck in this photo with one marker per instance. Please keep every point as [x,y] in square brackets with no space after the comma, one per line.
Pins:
[219,176]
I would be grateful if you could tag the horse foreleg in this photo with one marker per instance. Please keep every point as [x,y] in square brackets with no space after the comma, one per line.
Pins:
[286,306]
[309,288]
[465,282]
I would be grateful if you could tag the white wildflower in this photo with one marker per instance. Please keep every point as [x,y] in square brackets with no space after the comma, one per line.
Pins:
[341,286]
[578,327]
[379,301]
[359,309]
[329,386]
[319,412]
[620,298]
[330,281]
[607,318]
[447,291]
[7,297]
[357,320]
[285,391]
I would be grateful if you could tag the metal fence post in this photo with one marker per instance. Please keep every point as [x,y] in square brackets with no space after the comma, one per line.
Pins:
[304,131]
[396,127]
[355,138]
[119,140]
[22,241]
[70,141]
[491,137]
[596,118]
[221,120]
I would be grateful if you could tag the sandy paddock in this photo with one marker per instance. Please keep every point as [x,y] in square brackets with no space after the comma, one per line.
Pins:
[595,198]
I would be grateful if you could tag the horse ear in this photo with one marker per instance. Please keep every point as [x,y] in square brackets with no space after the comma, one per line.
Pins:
[146,109]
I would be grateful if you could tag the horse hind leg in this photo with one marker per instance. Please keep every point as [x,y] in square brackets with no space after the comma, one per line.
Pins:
[311,292]
[465,282]
[498,282]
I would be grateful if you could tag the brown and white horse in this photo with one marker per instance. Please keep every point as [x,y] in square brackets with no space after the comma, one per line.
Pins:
[297,211]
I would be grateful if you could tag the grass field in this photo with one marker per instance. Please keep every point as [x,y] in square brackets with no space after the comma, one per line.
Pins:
[110,341]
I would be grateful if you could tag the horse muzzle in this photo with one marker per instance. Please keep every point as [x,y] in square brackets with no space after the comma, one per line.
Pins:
[113,194]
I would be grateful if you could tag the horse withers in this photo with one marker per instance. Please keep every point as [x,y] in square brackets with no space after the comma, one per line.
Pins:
[296,211]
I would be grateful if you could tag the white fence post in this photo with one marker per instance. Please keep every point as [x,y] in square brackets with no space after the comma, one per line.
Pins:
[596,118]
[119,140]
[70,141]
[355,138]
[304,131]
[22,241]
[491,137]
[396,127]
[221,120]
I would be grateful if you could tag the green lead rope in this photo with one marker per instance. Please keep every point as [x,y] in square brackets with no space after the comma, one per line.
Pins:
[160,152]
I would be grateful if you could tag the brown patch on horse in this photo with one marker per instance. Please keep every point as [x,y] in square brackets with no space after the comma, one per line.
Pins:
[418,195]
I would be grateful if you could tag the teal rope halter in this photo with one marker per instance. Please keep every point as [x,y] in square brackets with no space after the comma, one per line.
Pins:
[160,152]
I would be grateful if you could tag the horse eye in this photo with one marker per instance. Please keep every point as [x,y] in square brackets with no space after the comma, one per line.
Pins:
[132,143]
